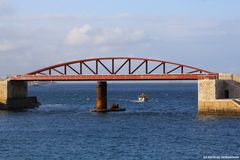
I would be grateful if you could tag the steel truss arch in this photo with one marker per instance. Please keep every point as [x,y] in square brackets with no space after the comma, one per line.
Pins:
[134,68]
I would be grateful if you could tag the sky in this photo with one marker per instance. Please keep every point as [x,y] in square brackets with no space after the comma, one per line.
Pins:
[39,33]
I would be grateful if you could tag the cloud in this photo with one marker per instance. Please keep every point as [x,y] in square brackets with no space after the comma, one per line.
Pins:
[103,36]
[117,36]
[79,35]
[35,42]
[6,46]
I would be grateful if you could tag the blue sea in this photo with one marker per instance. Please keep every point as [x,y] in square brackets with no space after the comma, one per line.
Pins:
[166,127]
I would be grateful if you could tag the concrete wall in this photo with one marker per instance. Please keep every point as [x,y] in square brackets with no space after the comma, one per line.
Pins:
[206,89]
[216,107]
[229,76]
[225,76]
[3,90]
[209,89]
[13,95]
[17,89]
[236,78]
[231,82]
[220,89]
[13,89]
[233,87]
[211,95]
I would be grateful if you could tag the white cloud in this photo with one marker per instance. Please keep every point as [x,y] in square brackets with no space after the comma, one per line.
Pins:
[6,46]
[116,36]
[79,35]
[104,38]
[35,42]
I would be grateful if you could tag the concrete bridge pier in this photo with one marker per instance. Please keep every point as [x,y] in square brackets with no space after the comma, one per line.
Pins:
[101,99]
[14,95]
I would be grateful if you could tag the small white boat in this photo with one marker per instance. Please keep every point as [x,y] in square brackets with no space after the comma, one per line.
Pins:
[142,98]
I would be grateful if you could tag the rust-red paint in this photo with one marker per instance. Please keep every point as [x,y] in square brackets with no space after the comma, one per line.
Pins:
[114,59]
[113,77]
[178,72]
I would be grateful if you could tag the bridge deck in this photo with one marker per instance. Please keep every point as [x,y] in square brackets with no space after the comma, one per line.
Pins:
[112,77]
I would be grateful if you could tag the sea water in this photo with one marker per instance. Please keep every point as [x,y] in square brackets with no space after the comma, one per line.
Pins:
[166,126]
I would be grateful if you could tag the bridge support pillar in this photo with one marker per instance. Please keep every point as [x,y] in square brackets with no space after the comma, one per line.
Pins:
[101,99]
[13,95]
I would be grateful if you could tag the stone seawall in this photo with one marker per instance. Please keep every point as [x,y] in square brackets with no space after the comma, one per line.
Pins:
[219,107]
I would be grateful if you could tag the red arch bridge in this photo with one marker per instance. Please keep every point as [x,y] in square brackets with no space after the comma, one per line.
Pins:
[116,68]
[101,70]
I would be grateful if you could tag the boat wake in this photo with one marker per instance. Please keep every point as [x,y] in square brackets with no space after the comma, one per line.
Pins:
[136,101]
